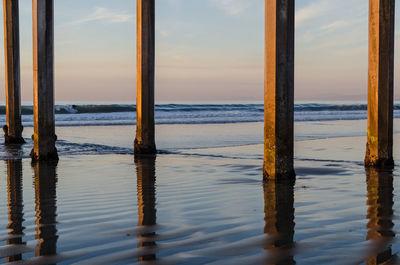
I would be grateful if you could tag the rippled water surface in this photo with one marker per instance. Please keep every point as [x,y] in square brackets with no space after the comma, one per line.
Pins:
[197,206]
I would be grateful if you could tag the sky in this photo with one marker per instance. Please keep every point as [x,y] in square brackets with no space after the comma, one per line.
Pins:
[206,50]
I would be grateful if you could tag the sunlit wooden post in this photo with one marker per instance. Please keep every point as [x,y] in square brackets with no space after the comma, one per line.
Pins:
[380,83]
[279,89]
[13,129]
[145,136]
[43,85]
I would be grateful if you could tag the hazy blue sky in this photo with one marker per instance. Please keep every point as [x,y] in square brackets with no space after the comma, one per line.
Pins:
[206,50]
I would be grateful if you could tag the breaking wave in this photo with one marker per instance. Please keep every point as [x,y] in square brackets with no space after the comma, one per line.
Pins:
[125,114]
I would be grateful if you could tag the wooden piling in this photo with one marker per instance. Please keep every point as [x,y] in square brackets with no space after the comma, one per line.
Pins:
[13,129]
[43,86]
[145,135]
[380,83]
[279,89]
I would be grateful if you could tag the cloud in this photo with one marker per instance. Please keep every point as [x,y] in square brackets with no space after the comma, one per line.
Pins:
[106,15]
[335,25]
[164,33]
[231,7]
[312,11]
[307,37]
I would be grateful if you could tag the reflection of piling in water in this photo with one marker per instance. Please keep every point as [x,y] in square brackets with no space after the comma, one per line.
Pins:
[147,201]
[15,205]
[380,213]
[45,197]
[279,220]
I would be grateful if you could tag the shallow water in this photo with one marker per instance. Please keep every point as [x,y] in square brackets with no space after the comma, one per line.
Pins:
[94,140]
[196,205]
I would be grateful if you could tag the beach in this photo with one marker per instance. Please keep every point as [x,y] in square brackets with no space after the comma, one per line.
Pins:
[200,201]
[199,132]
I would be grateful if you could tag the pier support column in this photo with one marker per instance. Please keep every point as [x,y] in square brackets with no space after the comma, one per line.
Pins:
[380,83]
[145,136]
[13,129]
[279,90]
[43,75]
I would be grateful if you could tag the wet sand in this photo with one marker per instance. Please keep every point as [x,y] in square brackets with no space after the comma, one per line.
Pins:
[197,206]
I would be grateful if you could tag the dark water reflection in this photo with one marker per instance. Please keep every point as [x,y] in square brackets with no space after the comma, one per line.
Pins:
[15,206]
[45,182]
[151,242]
[380,215]
[279,221]
[146,179]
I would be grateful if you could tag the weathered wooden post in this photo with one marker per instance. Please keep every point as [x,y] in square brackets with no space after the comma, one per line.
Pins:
[13,129]
[43,86]
[279,89]
[380,83]
[145,136]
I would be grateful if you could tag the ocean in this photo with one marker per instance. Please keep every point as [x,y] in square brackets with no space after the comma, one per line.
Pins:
[125,114]
[201,200]
[110,128]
